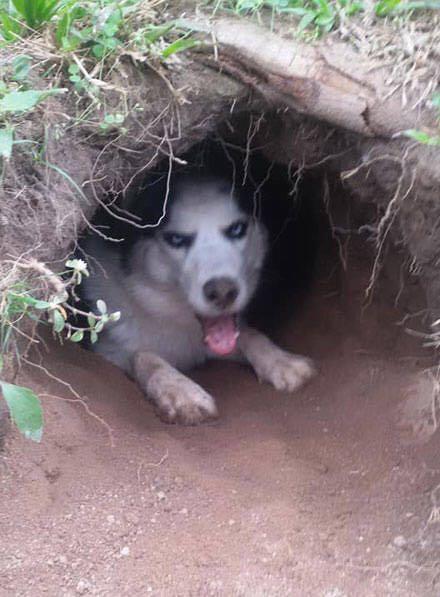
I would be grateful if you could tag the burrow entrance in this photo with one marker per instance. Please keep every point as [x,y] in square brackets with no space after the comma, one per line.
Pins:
[328,492]
[319,227]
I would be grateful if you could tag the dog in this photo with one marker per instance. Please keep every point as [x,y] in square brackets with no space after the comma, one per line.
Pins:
[182,290]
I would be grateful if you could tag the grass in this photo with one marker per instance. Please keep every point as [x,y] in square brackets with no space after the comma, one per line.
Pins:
[323,16]
[35,12]
[85,37]
[96,28]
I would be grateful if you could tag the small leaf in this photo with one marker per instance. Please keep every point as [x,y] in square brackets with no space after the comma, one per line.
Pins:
[30,300]
[306,20]
[77,336]
[91,320]
[21,66]
[116,316]
[58,321]
[6,142]
[25,409]
[73,69]
[102,307]
[99,326]
[22,101]
[58,299]
[93,337]
[154,32]
[41,305]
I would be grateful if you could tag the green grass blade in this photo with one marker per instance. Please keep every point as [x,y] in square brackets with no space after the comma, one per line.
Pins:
[179,46]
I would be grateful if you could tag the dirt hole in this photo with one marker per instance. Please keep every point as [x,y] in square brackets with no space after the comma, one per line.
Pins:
[330,492]
[317,228]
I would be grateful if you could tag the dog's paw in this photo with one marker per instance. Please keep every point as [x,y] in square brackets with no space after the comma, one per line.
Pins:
[285,371]
[186,403]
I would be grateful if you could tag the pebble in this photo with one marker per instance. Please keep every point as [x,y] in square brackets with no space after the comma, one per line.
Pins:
[125,551]
[399,541]
[82,587]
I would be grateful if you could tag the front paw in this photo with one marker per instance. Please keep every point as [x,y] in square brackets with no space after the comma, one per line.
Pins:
[185,403]
[285,371]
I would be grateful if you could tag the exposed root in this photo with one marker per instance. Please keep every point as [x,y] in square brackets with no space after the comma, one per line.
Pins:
[434,517]
[342,248]
[383,227]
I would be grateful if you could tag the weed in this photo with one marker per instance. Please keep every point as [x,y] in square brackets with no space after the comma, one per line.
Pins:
[322,16]
[112,122]
[96,27]
[14,103]
[37,12]
[16,16]
[422,136]
[18,305]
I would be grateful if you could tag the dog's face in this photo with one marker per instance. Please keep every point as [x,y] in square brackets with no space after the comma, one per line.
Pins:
[215,250]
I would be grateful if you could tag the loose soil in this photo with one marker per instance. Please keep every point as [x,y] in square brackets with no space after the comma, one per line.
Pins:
[330,492]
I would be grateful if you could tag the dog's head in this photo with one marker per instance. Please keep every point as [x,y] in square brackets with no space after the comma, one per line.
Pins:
[214,251]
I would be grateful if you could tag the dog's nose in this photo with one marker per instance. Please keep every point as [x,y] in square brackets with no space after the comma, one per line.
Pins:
[221,292]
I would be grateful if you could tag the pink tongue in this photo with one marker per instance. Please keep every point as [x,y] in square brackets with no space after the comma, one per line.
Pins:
[221,334]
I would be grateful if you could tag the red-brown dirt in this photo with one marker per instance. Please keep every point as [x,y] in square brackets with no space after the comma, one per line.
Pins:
[327,493]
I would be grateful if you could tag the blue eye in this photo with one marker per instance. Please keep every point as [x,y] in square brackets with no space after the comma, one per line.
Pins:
[177,240]
[236,230]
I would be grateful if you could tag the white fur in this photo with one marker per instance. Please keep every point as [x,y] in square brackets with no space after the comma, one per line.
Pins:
[162,295]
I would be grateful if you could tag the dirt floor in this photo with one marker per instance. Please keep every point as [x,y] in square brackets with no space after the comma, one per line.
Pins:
[330,492]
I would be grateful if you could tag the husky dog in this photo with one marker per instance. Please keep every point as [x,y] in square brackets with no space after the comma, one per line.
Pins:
[182,291]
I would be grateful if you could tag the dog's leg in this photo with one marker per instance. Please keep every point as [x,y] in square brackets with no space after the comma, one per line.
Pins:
[176,397]
[284,370]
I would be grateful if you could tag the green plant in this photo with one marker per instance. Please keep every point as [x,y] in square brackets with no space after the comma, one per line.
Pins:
[112,122]
[384,8]
[16,99]
[19,305]
[25,410]
[37,12]
[12,104]
[31,13]
[103,28]
[422,136]
[324,15]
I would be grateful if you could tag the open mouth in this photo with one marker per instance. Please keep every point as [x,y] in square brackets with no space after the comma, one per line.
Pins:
[220,333]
